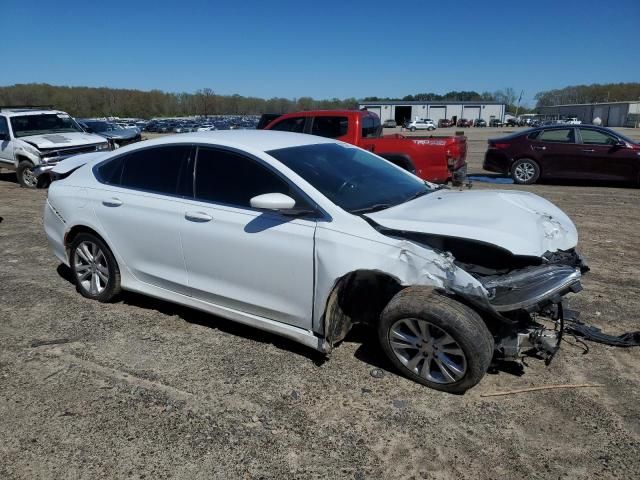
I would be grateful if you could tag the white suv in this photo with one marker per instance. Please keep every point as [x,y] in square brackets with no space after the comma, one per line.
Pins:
[33,140]
[421,124]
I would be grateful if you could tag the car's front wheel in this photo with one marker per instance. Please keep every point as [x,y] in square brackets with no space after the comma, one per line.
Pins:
[435,340]
[26,177]
[94,267]
[413,129]
[525,171]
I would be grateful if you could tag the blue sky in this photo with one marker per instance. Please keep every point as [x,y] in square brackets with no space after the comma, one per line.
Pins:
[321,48]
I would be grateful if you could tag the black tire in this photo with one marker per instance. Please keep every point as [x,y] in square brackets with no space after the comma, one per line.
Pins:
[462,324]
[24,176]
[525,171]
[111,287]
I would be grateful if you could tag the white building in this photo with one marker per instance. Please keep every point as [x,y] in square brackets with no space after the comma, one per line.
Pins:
[402,112]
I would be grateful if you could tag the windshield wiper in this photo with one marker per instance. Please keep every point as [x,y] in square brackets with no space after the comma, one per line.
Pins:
[418,194]
[373,208]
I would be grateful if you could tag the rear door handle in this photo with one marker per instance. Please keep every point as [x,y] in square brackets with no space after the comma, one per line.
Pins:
[540,148]
[112,202]
[587,150]
[199,217]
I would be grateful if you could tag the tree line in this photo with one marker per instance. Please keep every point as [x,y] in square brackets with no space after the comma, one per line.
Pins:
[101,102]
[595,93]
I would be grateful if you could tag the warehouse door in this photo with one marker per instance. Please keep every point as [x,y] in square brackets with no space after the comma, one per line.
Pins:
[437,113]
[403,114]
[617,115]
[471,113]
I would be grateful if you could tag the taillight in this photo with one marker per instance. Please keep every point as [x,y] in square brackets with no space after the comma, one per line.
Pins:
[500,146]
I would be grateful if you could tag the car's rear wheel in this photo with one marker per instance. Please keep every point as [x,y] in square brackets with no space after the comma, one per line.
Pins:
[26,177]
[94,267]
[413,129]
[435,340]
[525,171]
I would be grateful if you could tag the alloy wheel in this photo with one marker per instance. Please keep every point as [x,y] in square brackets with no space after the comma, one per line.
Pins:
[525,171]
[427,350]
[29,178]
[91,268]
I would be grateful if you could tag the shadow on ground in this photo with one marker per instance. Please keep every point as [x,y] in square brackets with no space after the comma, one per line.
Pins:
[197,317]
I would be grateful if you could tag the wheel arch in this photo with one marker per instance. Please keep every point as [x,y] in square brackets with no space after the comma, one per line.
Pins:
[76,230]
[359,296]
[401,160]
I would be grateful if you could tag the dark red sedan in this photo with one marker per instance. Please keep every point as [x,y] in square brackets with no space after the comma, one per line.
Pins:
[582,152]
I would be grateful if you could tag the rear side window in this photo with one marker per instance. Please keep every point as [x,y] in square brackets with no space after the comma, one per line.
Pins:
[563,135]
[154,169]
[370,126]
[232,179]
[295,124]
[594,137]
[330,127]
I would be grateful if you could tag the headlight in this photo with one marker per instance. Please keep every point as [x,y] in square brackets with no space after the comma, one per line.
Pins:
[102,146]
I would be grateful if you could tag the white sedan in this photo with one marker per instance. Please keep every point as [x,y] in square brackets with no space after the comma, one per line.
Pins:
[305,236]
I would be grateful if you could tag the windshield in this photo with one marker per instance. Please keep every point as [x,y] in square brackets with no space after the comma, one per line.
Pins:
[100,126]
[353,179]
[25,125]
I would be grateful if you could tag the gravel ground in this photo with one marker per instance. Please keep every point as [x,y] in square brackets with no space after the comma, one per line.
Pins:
[146,389]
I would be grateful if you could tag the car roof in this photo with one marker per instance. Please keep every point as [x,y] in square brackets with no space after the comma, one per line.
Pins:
[20,112]
[260,140]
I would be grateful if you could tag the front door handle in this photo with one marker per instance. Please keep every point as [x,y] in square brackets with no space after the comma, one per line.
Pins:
[588,150]
[540,148]
[112,202]
[199,217]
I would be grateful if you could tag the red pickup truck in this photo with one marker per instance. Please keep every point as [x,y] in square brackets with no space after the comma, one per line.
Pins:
[432,158]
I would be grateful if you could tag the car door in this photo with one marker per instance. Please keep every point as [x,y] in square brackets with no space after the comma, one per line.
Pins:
[605,159]
[257,262]
[140,209]
[6,145]
[557,153]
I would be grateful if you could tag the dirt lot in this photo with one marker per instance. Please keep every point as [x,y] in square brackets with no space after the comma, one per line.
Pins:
[145,389]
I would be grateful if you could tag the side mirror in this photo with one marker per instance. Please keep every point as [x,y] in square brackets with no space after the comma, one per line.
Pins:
[273,201]
[620,144]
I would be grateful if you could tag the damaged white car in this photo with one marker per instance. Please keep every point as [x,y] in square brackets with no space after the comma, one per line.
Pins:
[305,236]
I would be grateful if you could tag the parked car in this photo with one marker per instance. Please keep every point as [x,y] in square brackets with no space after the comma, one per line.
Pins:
[479,122]
[572,121]
[305,236]
[421,124]
[436,159]
[567,152]
[463,122]
[445,123]
[389,123]
[33,137]
[117,137]
[494,122]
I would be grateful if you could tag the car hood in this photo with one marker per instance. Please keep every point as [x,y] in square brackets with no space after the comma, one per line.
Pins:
[62,140]
[520,222]
[124,134]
